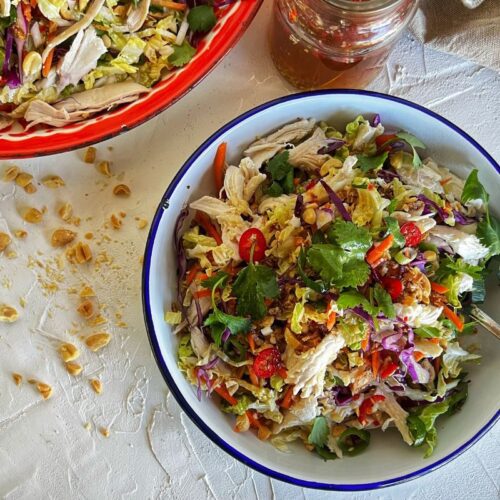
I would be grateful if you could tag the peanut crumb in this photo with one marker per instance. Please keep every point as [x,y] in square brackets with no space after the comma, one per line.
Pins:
[65,211]
[32,215]
[68,352]
[142,223]
[103,167]
[23,179]
[87,291]
[86,309]
[4,241]
[116,223]
[90,155]
[53,181]
[96,385]
[97,341]
[44,389]
[121,190]
[30,188]
[20,233]
[11,254]
[87,426]
[122,214]
[32,381]
[62,237]
[18,378]
[10,174]
[104,431]
[97,321]
[88,236]
[8,314]
[73,368]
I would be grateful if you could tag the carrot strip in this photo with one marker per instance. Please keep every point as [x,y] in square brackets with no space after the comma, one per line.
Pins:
[192,273]
[204,221]
[287,400]
[376,252]
[364,343]
[202,293]
[253,378]
[47,63]
[254,419]
[434,340]
[375,363]
[438,288]
[417,356]
[219,165]
[169,5]
[454,318]
[332,317]
[251,342]
[224,394]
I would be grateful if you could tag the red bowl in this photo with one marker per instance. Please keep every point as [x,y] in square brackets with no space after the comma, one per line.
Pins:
[40,141]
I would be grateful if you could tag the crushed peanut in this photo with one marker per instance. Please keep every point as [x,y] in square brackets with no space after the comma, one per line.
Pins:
[8,314]
[73,368]
[30,188]
[65,212]
[96,385]
[53,181]
[142,223]
[97,341]
[104,432]
[23,179]
[18,378]
[90,155]
[116,223]
[89,236]
[20,233]
[103,167]
[44,389]
[122,190]
[79,254]
[4,241]
[97,321]
[32,381]
[32,215]
[61,237]
[87,426]
[87,291]
[10,174]
[68,352]
[86,309]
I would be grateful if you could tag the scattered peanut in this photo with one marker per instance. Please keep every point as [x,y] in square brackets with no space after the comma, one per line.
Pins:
[44,389]
[97,341]
[8,314]
[4,241]
[65,212]
[68,352]
[103,167]
[116,223]
[122,190]
[18,378]
[142,223]
[79,254]
[10,174]
[32,215]
[96,385]
[30,188]
[53,181]
[86,309]
[87,291]
[61,237]
[104,432]
[242,423]
[73,368]
[90,155]
[88,236]
[20,233]
[23,179]
[87,426]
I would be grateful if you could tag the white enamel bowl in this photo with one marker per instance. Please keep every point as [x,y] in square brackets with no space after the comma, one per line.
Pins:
[388,460]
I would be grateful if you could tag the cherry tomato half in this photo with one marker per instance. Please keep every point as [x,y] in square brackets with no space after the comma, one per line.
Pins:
[393,286]
[252,237]
[382,139]
[412,234]
[267,362]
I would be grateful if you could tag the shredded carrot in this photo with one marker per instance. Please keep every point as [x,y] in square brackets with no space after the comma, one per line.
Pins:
[219,165]
[169,5]
[434,340]
[192,273]
[438,288]
[251,342]
[376,252]
[364,343]
[202,276]
[299,241]
[287,400]
[204,221]
[445,181]
[254,419]
[417,355]
[224,394]
[26,8]
[454,318]
[33,3]
[47,64]
[296,181]
[253,378]
[332,317]
[202,293]
[375,363]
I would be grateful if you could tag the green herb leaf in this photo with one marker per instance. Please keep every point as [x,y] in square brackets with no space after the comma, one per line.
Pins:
[350,237]
[219,321]
[182,54]
[393,228]
[219,279]
[253,284]
[448,266]
[473,189]
[5,22]
[319,432]
[384,301]
[274,190]
[367,163]
[352,298]
[278,166]
[201,18]
[428,332]
[413,142]
[301,263]
[489,235]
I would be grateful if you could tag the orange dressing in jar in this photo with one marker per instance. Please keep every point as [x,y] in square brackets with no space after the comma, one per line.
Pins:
[323,44]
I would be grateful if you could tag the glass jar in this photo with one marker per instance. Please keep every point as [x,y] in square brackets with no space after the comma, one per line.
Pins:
[322,44]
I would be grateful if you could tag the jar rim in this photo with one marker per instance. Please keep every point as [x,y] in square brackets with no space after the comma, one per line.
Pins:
[367,6]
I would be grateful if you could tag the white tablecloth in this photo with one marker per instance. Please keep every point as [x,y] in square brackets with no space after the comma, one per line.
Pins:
[153,450]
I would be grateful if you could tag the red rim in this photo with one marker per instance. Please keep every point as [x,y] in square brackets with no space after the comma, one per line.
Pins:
[232,24]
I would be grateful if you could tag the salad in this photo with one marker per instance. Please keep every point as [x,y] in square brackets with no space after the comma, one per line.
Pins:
[63,60]
[323,292]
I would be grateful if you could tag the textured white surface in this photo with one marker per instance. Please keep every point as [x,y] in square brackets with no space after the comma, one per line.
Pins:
[153,450]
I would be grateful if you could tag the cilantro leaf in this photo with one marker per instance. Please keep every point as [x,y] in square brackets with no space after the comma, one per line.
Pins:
[352,298]
[413,142]
[319,432]
[253,284]
[10,19]
[384,301]
[428,332]
[473,189]
[336,266]
[448,267]
[201,18]
[182,54]
[350,237]
[278,166]
[313,285]
[367,163]
[489,235]
[218,279]
[274,190]
[393,228]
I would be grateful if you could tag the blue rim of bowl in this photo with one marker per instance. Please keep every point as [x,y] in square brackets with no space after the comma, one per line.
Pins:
[154,341]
